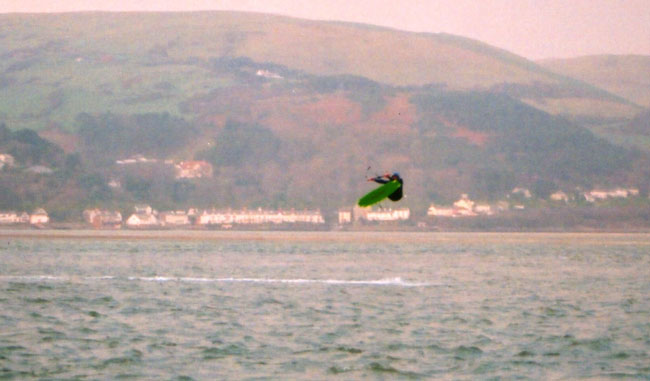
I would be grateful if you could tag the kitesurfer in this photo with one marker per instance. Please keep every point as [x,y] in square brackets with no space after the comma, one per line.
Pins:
[397,195]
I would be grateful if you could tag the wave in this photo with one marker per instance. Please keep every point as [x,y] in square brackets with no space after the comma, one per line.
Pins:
[32,278]
[397,281]
[380,282]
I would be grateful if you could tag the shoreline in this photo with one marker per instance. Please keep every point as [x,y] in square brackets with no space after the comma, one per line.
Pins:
[642,238]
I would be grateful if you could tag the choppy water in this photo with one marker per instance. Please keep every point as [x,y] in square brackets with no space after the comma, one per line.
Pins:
[340,306]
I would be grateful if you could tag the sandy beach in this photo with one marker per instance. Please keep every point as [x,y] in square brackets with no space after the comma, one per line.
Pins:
[330,236]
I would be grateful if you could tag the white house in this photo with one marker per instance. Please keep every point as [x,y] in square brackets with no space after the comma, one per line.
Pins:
[268,74]
[560,196]
[174,218]
[259,216]
[11,217]
[401,214]
[6,160]
[103,218]
[144,209]
[602,194]
[618,193]
[303,216]
[484,209]
[519,191]
[345,216]
[39,217]
[141,220]
[438,211]
[214,217]
[464,206]
[596,194]
[144,217]
[115,184]
[8,218]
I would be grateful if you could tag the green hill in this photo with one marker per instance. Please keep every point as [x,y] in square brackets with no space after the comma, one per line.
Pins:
[321,48]
[291,113]
[625,76]
[55,66]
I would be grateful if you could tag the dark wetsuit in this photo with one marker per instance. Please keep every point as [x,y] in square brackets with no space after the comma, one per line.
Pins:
[397,195]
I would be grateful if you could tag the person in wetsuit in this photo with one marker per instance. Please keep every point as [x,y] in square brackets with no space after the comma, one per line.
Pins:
[397,195]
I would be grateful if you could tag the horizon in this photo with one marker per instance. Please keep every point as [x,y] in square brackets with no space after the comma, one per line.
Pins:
[552,30]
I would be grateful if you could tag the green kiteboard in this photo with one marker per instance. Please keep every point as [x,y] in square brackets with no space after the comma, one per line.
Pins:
[379,194]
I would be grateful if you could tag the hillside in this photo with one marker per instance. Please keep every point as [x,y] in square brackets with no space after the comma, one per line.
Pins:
[625,76]
[320,48]
[290,113]
[56,66]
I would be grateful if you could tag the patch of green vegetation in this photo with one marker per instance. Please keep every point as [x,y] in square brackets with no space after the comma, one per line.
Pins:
[240,144]
[106,136]
[45,95]
[637,141]
[533,142]
[29,149]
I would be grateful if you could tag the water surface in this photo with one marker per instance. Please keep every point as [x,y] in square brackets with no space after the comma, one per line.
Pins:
[324,305]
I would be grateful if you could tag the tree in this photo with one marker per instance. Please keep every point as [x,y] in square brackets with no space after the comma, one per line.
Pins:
[240,144]
[543,188]
[139,188]
[9,199]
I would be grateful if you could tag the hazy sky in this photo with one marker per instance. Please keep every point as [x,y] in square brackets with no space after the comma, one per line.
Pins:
[532,28]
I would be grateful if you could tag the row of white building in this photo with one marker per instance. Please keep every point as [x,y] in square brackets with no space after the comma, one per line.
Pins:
[464,207]
[594,195]
[349,215]
[146,217]
[37,217]
[604,194]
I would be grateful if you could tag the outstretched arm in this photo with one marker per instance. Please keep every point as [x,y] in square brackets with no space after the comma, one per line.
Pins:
[380,179]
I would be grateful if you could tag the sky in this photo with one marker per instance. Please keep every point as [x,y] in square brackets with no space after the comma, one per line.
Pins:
[535,29]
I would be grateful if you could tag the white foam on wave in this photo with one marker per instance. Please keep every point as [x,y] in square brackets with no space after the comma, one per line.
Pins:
[399,282]
[31,278]
[381,282]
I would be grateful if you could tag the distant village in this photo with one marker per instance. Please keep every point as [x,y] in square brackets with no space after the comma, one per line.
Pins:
[145,217]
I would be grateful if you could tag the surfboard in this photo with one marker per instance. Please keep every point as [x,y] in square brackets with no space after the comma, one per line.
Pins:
[379,194]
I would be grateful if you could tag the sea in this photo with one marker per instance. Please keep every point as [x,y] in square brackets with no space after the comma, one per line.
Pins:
[323,305]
